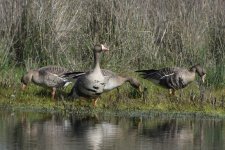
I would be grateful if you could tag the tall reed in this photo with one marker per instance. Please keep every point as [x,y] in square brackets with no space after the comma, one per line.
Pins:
[140,33]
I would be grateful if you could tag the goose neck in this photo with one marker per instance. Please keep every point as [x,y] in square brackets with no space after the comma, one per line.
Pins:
[96,60]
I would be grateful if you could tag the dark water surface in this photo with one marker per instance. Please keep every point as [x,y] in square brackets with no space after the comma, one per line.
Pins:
[46,131]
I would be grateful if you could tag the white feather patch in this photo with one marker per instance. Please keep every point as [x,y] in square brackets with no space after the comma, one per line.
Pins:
[166,75]
[67,83]
[54,74]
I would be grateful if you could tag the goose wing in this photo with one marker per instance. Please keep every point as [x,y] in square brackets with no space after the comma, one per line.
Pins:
[54,70]
[53,80]
[76,74]
[166,77]
[108,73]
[153,74]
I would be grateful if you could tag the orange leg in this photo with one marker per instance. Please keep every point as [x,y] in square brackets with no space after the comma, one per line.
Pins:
[172,92]
[95,102]
[118,96]
[53,93]
[140,90]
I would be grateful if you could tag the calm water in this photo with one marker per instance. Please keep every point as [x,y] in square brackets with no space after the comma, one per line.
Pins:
[41,131]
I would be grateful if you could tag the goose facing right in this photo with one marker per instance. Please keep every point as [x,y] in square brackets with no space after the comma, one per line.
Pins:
[173,78]
[91,84]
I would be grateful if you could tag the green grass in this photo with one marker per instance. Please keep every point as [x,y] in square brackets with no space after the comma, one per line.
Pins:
[140,35]
[129,100]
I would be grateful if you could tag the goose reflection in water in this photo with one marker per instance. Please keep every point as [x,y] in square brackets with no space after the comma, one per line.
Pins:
[56,132]
[95,132]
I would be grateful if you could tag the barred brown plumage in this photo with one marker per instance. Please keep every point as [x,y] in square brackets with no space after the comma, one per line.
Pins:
[49,76]
[173,78]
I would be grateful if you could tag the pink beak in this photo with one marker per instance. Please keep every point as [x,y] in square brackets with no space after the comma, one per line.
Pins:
[104,48]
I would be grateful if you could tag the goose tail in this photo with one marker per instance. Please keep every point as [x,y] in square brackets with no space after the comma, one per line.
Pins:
[147,73]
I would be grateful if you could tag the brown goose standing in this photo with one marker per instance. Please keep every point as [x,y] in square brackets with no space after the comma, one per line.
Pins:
[91,84]
[173,78]
[49,76]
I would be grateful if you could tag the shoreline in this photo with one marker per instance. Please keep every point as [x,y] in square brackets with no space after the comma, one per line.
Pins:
[37,99]
[116,112]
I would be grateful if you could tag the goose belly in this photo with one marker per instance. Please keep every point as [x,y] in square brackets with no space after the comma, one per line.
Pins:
[98,83]
[155,81]
[91,86]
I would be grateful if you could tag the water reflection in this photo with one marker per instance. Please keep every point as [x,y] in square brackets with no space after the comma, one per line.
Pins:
[55,131]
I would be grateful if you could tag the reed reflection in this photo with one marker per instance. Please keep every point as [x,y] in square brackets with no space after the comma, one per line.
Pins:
[57,131]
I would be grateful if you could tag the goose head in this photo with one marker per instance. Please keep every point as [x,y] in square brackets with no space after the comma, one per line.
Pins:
[26,79]
[100,48]
[135,83]
[200,71]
